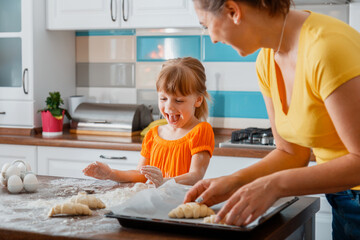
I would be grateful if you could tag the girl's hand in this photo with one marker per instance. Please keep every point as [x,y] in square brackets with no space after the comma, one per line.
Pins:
[212,191]
[153,174]
[98,170]
[249,202]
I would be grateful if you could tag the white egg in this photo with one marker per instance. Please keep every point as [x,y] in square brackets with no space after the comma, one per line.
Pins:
[22,168]
[4,168]
[28,167]
[12,170]
[3,181]
[30,182]
[15,185]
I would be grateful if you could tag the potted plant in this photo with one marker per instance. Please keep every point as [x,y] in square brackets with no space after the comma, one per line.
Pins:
[52,116]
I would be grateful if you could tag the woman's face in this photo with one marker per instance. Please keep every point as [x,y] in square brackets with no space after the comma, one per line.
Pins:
[221,28]
[178,110]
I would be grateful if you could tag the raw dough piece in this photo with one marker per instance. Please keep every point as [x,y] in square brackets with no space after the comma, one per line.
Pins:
[70,209]
[211,219]
[191,210]
[91,201]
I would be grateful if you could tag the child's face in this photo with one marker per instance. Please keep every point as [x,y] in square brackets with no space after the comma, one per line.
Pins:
[178,110]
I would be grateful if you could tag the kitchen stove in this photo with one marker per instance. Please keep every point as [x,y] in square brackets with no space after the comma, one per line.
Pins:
[251,138]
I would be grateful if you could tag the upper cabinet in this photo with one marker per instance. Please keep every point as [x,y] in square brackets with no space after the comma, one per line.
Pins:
[83,14]
[306,2]
[33,61]
[161,13]
[113,14]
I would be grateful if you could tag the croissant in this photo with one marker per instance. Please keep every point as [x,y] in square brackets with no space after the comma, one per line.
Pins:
[211,219]
[191,210]
[70,209]
[91,201]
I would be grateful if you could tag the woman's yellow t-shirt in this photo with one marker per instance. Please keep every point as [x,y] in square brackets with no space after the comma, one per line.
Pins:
[328,56]
[173,157]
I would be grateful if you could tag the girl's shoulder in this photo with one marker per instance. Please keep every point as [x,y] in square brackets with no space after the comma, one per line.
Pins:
[203,128]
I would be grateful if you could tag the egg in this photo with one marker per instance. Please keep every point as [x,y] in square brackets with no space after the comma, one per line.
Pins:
[30,182]
[15,185]
[12,170]
[4,168]
[3,181]
[22,168]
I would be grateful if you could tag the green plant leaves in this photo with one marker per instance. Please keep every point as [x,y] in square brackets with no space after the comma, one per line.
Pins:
[53,102]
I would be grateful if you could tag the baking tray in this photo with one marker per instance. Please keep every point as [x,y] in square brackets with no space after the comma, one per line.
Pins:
[179,225]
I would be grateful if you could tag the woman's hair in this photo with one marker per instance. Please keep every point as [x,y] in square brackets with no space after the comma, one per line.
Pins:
[185,76]
[274,7]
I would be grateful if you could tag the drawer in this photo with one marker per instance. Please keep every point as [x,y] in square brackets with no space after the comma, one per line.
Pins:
[16,113]
[69,162]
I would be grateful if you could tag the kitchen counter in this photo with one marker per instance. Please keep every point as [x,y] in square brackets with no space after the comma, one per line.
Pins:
[24,216]
[119,143]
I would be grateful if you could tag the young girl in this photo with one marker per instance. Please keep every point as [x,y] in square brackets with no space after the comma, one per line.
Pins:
[182,148]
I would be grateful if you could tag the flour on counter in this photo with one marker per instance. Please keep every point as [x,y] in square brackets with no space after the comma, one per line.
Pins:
[28,211]
[120,195]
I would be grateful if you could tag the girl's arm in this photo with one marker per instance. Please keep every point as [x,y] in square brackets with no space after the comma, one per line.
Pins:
[199,164]
[101,170]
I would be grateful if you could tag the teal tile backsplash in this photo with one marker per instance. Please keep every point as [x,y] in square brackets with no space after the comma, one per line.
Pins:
[220,52]
[237,104]
[161,48]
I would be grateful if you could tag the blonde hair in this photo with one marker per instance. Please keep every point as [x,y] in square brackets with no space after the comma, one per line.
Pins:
[185,76]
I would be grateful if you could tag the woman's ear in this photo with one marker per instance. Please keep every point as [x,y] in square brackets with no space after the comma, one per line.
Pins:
[233,11]
[199,101]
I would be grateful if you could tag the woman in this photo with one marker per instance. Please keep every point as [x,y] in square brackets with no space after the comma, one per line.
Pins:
[309,74]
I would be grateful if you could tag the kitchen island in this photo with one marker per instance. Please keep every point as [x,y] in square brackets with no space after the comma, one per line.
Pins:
[24,216]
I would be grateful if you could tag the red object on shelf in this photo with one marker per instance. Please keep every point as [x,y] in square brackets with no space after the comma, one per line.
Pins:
[50,125]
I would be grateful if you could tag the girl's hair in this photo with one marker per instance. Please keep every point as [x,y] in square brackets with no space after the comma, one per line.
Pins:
[185,76]
[274,7]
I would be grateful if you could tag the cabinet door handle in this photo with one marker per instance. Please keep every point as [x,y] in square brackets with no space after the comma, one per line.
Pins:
[123,11]
[113,18]
[23,80]
[117,158]
[2,113]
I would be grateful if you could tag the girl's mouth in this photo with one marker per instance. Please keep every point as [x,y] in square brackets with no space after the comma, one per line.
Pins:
[172,119]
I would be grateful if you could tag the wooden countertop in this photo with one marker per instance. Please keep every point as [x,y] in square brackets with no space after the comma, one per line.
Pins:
[23,216]
[118,143]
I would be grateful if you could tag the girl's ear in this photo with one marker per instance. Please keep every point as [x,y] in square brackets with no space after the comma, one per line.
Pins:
[233,11]
[199,101]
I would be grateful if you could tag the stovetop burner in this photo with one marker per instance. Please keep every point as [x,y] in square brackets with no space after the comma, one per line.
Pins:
[251,137]
[261,136]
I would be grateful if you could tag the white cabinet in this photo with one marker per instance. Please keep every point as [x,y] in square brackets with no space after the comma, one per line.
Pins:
[10,153]
[33,62]
[69,162]
[113,14]
[220,165]
[83,14]
[162,14]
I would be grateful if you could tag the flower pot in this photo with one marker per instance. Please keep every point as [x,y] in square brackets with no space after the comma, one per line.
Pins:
[51,127]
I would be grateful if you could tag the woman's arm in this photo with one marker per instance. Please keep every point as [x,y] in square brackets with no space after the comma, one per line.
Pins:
[342,173]
[343,106]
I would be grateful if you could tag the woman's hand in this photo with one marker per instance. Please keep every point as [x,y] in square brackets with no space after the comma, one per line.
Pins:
[153,174]
[212,191]
[98,170]
[249,202]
